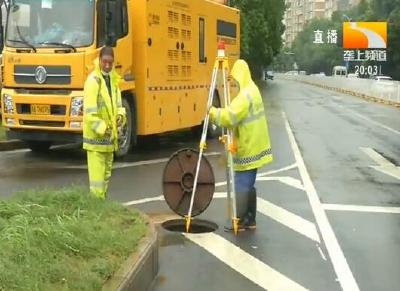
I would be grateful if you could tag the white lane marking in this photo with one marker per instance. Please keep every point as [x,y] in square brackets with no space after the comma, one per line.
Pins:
[285,180]
[338,259]
[361,208]
[385,166]
[321,253]
[378,158]
[290,220]
[15,151]
[279,214]
[293,166]
[242,262]
[371,121]
[144,200]
[135,164]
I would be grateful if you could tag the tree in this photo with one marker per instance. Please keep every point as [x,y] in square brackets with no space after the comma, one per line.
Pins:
[389,10]
[261,31]
[313,57]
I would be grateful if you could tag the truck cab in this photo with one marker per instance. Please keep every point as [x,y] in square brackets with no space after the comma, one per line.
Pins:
[50,48]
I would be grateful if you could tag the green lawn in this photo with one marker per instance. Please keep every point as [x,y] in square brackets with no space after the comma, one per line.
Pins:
[64,240]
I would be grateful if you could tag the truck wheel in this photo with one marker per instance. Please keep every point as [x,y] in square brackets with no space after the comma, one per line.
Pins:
[125,135]
[37,146]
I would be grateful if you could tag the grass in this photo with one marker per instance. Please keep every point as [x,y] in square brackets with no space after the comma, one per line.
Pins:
[64,240]
[2,132]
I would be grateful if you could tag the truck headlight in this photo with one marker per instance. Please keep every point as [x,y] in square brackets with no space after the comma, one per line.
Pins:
[8,104]
[77,106]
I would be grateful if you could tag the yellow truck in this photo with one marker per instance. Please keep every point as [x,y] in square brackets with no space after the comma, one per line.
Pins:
[164,52]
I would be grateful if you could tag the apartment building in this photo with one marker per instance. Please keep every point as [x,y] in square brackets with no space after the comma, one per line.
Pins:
[299,12]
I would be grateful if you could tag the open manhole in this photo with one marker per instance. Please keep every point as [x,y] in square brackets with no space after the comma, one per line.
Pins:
[197,226]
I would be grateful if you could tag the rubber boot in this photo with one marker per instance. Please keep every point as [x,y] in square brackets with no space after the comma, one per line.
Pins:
[242,200]
[249,222]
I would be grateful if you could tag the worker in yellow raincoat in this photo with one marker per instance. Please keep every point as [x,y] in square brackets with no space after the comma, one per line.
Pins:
[103,114]
[246,116]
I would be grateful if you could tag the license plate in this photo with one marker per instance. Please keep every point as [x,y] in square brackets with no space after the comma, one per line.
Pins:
[40,109]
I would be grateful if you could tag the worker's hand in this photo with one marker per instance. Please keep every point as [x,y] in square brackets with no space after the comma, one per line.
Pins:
[209,108]
[120,120]
[108,132]
[212,112]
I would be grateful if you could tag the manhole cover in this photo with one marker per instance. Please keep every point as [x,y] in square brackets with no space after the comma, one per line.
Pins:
[197,226]
[178,182]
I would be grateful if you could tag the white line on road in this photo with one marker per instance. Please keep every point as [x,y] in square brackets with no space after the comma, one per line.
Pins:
[260,177]
[293,166]
[361,208]
[279,214]
[244,263]
[135,164]
[285,180]
[286,218]
[376,157]
[371,121]
[144,200]
[385,166]
[338,259]
[321,253]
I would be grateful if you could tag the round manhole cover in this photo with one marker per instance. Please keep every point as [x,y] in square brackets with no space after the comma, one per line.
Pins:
[178,182]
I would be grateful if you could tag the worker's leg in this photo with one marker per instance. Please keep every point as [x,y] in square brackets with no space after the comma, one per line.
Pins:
[247,198]
[96,167]
[109,158]
[245,194]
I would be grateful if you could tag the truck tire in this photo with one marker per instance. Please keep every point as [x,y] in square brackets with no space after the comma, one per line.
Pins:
[127,131]
[37,146]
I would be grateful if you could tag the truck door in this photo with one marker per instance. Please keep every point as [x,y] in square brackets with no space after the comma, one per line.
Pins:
[114,27]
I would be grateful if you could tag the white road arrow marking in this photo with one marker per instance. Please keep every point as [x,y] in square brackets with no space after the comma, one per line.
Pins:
[385,166]
[244,263]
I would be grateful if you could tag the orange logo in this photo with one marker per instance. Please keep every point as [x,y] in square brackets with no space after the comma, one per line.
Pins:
[365,35]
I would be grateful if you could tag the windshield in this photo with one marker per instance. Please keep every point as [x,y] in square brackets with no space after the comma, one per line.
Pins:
[36,23]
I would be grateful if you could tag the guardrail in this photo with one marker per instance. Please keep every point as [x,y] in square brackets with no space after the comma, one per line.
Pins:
[387,92]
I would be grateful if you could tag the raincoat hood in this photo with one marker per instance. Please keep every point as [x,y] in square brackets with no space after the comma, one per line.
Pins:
[241,73]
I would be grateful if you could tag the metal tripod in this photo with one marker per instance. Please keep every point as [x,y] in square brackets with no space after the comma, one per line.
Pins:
[221,65]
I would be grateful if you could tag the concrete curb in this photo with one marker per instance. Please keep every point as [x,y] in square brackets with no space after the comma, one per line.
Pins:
[139,270]
[10,145]
[350,92]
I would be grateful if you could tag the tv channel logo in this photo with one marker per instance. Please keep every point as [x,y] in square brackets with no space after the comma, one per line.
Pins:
[365,35]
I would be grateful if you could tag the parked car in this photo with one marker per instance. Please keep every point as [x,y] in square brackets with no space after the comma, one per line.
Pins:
[383,78]
[339,71]
[269,75]
[352,75]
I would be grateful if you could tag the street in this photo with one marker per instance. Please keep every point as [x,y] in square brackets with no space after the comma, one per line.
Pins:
[328,206]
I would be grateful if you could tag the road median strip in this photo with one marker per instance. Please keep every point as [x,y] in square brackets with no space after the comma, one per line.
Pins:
[69,240]
[349,92]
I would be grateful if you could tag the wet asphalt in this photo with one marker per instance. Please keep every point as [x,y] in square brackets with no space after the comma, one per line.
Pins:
[330,129]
